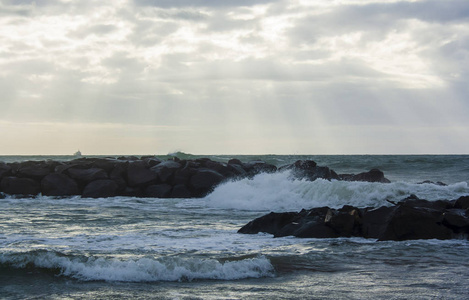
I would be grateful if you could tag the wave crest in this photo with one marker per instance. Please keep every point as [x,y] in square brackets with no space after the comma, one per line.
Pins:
[278,192]
[142,269]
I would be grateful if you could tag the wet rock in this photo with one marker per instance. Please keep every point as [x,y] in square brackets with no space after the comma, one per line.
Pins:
[35,170]
[59,185]
[431,182]
[158,190]
[180,191]
[138,174]
[308,169]
[86,175]
[5,170]
[345,222]
[20,186]
[100,189]
[374,221]
[412,223]
[165,170]
[271,223]
[462,202]
[373,175]
[257,166]
[205,180]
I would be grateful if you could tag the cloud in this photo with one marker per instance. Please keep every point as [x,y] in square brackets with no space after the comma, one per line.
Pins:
[237,72]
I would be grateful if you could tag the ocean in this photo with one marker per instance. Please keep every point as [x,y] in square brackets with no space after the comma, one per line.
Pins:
[149,248]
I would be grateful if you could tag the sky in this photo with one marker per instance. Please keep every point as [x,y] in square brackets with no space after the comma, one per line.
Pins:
[234,77]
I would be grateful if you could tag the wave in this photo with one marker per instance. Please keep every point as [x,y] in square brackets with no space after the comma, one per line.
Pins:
[278,192]
[137,270]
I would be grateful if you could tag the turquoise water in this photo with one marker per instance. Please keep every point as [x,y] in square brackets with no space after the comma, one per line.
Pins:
[123,247]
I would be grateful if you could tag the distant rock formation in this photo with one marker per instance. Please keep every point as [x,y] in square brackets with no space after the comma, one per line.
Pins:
[148,176]
[409,219]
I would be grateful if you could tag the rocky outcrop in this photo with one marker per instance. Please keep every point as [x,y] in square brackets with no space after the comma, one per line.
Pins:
[409,219]
[148,176]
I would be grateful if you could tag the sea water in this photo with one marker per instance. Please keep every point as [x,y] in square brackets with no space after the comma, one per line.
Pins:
[121,247]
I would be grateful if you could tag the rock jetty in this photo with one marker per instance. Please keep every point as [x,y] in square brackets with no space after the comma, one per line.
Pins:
[147,176]
[410,219]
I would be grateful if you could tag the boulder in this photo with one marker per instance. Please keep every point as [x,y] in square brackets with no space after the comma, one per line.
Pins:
[462,202]
[35,170]
[345,222]
[165,170]
[374,221]
[270,223]
[374,175]
[59,185]
[412,223]
[204,180]
[138,174]
[5,170]
[257,166]
[158,190]
[180,191]
[307,169]
[87,175]
[20,186]
[100,189]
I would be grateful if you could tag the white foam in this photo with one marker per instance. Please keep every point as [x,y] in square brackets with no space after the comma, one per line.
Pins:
[143,269]
[278,192]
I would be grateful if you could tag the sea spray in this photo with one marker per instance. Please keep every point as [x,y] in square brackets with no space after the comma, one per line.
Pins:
[279,192]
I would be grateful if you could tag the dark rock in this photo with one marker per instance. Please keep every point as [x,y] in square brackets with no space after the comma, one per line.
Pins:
[373,175]
[412,223]
[307,169]
[100,189]
[59,185]
[309,224]
[5,170]
[462,202]
[138,174]
[431,182]
[237,170]
[20,186]
[165,170]
[35,170]
[151,161]
[235,161]
[158,191]
[257,166]
[457,219]
[345,221]
[205,180]
[374,221]
[182,176]
[271,223]
[87,175]
[180,191]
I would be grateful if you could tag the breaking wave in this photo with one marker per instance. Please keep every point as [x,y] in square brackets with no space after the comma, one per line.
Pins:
[137,270]
[278,192]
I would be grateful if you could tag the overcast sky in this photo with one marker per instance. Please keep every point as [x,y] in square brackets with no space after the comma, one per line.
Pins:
[234,77]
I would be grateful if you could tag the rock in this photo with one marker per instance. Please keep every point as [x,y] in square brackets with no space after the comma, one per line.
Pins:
[431,182]
[373,175]
[307,169]
[87,175]
[5,170]
[35,170]
[165,170]
[412,223]
[20,186]
[180,191]
[457,219]
[235,161]
[205,180]
[462,202]
[138,174]
[271,223]
[59,185]
[345,221]
[257,166]
[158,190]
[374,221]
[100,189]
[309,224]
